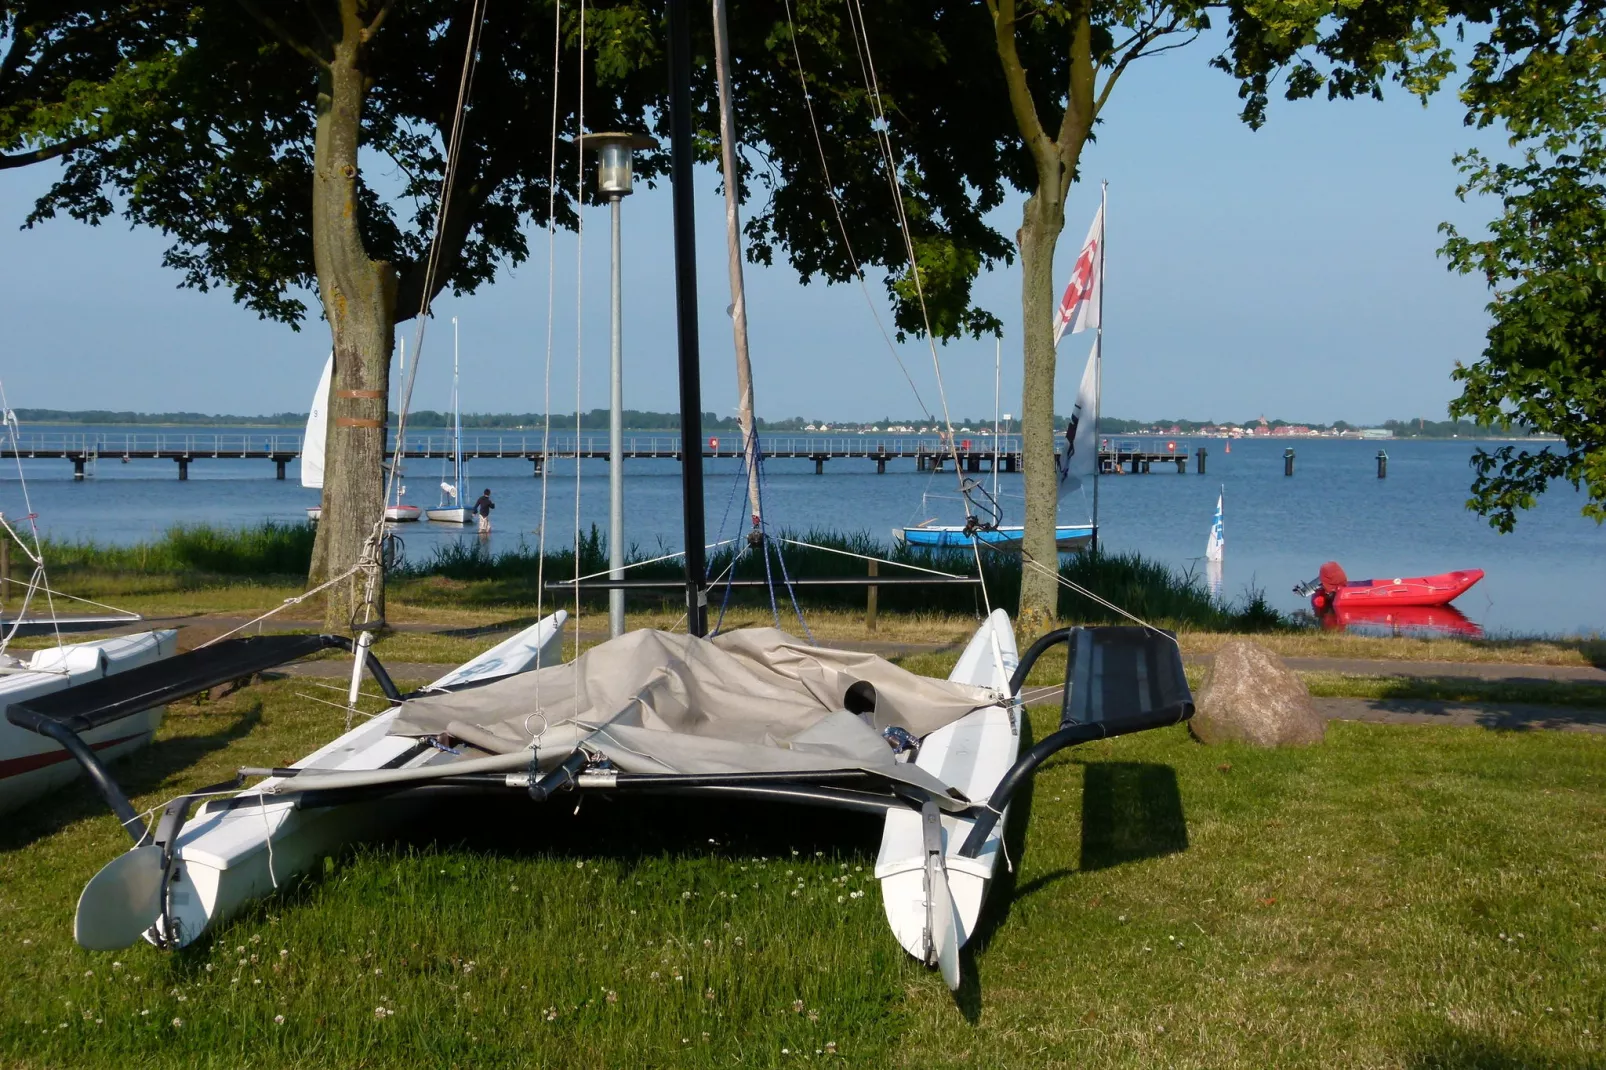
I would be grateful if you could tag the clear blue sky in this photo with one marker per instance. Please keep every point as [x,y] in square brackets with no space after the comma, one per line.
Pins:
[1290,272]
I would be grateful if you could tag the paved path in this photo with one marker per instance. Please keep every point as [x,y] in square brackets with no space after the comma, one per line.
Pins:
[1520,716]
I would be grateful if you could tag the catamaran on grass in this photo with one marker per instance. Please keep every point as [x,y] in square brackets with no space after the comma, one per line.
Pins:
[749,715]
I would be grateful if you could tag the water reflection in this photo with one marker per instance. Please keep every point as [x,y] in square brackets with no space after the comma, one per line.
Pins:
[1422,622]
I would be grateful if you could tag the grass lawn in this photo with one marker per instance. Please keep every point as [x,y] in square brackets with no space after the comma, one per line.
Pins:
[1408,897]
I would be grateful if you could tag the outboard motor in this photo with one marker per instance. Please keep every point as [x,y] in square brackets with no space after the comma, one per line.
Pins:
[1325,587]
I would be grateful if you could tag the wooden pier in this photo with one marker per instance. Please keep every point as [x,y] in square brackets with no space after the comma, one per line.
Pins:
[979,453]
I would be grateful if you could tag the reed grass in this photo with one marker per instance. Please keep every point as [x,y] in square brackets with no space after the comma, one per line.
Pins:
[198,556]
[268,549]
[1400,896]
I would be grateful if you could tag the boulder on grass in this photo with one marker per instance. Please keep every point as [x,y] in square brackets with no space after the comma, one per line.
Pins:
[1250,696]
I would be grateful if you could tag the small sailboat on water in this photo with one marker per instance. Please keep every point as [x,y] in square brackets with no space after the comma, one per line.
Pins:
[1216,545]
[451,509]
[1081,308]
[314,445]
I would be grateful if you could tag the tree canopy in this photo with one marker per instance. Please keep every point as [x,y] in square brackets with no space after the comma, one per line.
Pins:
[1539,73]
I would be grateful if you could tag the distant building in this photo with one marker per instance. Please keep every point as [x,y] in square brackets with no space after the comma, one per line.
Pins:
[1376,432]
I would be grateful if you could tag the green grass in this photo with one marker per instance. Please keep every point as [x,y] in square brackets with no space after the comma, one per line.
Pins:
[1400,896]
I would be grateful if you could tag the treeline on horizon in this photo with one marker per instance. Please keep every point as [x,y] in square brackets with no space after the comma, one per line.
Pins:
[645,420]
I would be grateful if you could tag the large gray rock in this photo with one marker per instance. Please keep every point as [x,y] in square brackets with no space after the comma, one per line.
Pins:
[1250,696]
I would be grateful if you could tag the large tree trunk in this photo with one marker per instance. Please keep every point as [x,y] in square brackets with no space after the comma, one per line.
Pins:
[359,301]
[1042,221]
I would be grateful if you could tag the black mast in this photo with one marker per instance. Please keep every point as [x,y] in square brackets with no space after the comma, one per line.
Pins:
[691,399]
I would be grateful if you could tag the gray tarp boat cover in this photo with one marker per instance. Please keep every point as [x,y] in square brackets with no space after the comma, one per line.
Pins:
[753,700]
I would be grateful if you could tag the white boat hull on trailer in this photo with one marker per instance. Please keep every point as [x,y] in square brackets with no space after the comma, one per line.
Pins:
[933,903]
[235,851]
[31,764]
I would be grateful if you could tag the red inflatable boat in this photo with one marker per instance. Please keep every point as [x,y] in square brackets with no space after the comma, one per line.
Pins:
[1334,590]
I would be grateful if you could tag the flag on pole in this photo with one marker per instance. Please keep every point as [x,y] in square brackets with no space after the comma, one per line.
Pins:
[1081,434]
[1079,307]
[1216,547]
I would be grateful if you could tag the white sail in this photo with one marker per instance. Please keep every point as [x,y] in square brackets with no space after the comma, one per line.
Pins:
[1216,548]
[1080,458]
[312,443]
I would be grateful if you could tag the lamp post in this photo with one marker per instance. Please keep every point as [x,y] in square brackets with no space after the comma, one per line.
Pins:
[613,182]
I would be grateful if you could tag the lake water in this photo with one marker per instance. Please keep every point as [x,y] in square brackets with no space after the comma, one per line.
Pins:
[1547,577]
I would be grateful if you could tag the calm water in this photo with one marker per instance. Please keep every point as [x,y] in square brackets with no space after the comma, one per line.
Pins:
[1549,576]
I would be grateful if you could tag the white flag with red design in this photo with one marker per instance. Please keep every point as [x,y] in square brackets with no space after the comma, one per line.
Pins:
[1079,308]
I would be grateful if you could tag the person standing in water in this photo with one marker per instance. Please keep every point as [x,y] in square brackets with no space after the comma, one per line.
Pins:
[482,509]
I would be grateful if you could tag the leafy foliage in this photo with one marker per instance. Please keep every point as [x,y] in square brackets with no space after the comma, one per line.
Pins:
[206,133]
[1539,73]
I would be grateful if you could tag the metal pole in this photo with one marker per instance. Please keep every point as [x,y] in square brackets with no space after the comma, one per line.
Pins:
[691,395]
[616,449]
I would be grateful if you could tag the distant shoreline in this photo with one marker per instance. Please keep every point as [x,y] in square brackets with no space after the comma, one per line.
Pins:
[639,422]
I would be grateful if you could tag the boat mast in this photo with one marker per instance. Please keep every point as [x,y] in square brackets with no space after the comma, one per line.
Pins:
[998,385]
[1098,368]
[457,426]
[733,246]
[691,401]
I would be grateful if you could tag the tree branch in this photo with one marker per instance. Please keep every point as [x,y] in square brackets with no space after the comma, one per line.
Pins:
[1020,95]
[378,20]
[273,27]
[48,152]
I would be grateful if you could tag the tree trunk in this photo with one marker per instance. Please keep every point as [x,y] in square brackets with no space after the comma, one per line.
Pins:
[1055,157]
[359,301]
[1042,220]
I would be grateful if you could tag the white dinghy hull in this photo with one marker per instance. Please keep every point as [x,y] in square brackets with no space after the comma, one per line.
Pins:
[31,764]
[231,853]
[933,904]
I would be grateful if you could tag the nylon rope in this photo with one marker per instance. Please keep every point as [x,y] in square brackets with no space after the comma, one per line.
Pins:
[551,306]
[883,136]
[38,577]
[579,282]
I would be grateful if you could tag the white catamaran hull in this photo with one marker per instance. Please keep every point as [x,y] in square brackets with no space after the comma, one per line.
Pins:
[31,764]
[933,905]
[230,854]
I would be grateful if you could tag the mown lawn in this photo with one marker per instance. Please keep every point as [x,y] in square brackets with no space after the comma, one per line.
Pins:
[1398,897]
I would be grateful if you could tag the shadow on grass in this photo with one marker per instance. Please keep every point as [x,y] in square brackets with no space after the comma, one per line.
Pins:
[1130,811]
[1454,1049]
[143,771]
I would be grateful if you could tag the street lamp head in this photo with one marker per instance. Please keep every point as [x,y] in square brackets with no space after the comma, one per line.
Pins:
[613,159]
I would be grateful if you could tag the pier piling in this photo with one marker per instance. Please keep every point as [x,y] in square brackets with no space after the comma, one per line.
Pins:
[1201,460]
[1288,461]
[78,467]
[183,468]
[278,469]
[871,599]
[1382,464]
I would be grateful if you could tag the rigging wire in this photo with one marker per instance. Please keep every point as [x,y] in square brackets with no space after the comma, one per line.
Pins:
[579,282]
[841,223]
[38,579]
[551,305]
